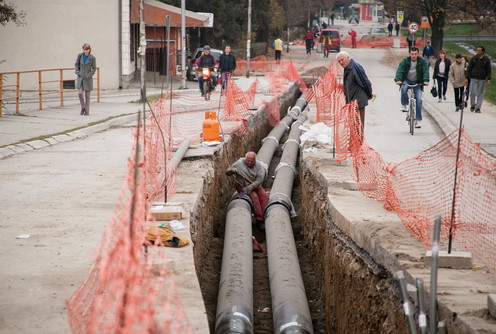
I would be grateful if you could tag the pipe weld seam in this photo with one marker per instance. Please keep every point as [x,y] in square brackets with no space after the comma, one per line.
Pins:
[285,164]
[295,122]
[291,141]
[295,112]
[284,200]
[271,137]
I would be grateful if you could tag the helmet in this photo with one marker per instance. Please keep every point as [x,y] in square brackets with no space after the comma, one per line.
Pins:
[206,47]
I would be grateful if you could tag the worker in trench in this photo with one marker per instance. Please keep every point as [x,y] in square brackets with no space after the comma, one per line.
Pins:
[249,175]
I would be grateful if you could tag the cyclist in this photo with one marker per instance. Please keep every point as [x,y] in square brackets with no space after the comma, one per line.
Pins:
[206,60]
[227,63]
[413,70]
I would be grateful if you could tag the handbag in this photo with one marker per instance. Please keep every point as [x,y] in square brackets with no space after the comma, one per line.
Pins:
[434,90]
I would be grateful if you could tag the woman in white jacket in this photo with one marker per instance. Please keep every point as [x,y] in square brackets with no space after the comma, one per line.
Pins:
[457,78]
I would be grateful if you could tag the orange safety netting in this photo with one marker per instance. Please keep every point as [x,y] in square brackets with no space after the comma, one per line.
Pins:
[130,288]
[371,41]
[422,187]
[127,289]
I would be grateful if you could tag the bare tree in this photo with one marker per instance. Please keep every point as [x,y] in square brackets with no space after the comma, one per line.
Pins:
[9,13]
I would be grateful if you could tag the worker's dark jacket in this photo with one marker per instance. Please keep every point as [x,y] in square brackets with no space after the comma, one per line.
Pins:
[356,85]
[479,68]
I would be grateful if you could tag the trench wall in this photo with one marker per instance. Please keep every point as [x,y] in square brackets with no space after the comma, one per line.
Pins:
[209,212]
[359,295]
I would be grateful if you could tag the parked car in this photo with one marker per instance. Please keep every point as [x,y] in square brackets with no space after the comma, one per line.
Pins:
[191,71]
[335,38]
[378,31]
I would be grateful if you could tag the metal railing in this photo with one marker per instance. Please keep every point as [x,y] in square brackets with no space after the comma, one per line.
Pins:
[41,90]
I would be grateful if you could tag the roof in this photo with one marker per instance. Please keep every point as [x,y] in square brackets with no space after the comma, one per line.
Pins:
[155,12]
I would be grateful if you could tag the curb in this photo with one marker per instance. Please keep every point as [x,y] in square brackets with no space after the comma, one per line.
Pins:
[13,149]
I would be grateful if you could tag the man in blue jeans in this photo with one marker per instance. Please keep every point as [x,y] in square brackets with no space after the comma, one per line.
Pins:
[413,70]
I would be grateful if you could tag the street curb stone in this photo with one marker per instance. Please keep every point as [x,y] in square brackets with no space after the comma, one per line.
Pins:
[25,147]
[38,144]
[16,149]
[62,138]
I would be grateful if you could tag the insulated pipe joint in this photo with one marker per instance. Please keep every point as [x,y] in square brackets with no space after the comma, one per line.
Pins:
[270,137]
[234,321]
[291,141]
[240,196]
[277,201]
[295,112]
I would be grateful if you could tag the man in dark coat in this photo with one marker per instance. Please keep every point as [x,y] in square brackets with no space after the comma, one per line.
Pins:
[356,84]
[85,69]
[479,74]
[227,65]
[390,29]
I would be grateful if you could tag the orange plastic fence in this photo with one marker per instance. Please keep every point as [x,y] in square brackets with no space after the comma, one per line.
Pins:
[422,187]
[128,289]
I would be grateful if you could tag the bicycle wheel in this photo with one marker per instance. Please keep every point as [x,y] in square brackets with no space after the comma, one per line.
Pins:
[411,112]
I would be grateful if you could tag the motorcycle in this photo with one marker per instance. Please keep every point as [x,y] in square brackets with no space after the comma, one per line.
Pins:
[207,81]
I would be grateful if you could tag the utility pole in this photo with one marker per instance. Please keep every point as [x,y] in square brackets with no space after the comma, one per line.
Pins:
[183,47]
[142,51]
[248,41]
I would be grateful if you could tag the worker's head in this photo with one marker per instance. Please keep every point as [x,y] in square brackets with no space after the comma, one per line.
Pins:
[414,53]
[343,58]
[206,49]
[227,49]
[250,159]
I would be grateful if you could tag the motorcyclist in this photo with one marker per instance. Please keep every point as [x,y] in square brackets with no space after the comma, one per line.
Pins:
[206,60]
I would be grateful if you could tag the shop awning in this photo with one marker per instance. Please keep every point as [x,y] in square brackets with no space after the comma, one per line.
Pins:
[155,13]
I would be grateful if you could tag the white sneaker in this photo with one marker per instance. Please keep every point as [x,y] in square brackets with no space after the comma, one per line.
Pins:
[404,108]
[418,124]
[439,101]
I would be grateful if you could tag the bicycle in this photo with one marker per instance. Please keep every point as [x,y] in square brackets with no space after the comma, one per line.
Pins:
[226,76]
[412,107]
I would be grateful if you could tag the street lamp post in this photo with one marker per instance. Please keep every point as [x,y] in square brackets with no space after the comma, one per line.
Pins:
[248,41]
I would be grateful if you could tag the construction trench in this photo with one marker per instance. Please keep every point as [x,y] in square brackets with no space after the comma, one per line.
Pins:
[325,284]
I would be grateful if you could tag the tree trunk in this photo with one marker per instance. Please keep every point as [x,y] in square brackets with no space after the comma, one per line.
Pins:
[437,37]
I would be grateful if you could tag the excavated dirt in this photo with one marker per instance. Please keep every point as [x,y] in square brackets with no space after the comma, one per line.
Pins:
[347,291]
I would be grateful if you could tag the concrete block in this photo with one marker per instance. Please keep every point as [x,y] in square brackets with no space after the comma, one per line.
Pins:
[167,212]
[77,134]
[62,138]
[350,185]
[16,149]
[38,144]
[25,147]
[455,260]
[6,151]
[491,304]
[51,141]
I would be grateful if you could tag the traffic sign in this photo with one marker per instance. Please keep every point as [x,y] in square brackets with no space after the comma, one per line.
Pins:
[413,27]
[425,23]
[399,16]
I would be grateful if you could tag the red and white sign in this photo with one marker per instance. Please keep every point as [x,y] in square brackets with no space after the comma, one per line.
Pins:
[413,27]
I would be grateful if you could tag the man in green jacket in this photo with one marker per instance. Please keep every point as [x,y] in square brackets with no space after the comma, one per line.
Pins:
[413,70]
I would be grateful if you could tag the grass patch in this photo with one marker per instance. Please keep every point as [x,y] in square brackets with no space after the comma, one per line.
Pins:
[150,98]
[452,49]
[461,29]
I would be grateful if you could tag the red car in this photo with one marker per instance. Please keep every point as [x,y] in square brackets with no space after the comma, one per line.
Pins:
[335,38]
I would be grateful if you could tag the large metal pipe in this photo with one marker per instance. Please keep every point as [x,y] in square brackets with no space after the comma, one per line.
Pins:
[235,298]
[271,142]
[235,301]
[290,309]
